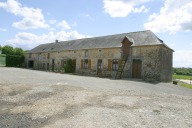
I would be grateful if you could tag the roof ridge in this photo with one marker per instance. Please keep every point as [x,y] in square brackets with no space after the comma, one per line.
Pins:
[107,35]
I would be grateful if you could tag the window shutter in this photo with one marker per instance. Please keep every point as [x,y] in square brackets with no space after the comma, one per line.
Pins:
[89,64]
[109,64]
[81,63]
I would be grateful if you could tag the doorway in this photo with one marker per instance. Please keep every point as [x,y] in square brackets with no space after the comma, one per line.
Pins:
[136,69]
[31,64]
[99,67]
[53,64]
[73,66]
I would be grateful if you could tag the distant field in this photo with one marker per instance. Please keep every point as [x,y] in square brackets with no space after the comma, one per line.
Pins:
[182,77]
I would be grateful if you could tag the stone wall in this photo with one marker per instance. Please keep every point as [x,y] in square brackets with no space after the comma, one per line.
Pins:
[156,62]
[41,60]
[166,61]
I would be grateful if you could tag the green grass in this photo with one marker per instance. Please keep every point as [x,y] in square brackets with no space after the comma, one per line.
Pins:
[2,60]
[185,77]
[186,85]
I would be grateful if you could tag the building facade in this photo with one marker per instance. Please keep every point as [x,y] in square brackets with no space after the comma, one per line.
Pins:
[139,55]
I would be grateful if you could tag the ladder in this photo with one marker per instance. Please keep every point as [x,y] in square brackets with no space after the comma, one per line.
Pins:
[121,66]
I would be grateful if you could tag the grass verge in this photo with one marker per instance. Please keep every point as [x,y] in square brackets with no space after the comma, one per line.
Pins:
[186,85]
[184,77]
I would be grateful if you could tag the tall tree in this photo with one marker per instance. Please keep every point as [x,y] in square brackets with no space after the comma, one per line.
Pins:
[8,50]
[19,51]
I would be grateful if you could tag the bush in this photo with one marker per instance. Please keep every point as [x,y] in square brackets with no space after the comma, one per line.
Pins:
[68,67]
[14,61]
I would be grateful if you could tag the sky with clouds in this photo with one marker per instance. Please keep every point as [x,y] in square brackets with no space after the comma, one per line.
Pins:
[28,23]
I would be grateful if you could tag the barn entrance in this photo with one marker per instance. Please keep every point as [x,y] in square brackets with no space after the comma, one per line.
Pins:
[73,65]
[30,64]
[136,69]
[53,64]
[99,67]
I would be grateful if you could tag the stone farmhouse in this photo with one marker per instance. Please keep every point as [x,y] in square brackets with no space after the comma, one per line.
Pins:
[139,55]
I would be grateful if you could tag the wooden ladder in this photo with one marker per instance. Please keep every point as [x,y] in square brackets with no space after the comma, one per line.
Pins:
[121,67]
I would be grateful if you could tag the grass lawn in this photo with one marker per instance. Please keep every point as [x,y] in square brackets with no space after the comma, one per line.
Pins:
[182,77]
[186,85]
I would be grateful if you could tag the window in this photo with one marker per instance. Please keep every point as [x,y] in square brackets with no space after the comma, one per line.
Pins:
[100,50]
[86,52]
[30,55]
[85,64]
[115,64]
[63,63]
[48,55]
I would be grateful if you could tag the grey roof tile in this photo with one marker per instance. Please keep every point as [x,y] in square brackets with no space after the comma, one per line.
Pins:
[140,38]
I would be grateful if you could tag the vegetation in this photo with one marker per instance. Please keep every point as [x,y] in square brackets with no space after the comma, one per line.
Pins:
[69,66]
[184,77]
[186,85]
[8,50]
[182,71]
[14,56]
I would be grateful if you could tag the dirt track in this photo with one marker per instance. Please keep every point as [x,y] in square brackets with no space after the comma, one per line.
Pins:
[42,99]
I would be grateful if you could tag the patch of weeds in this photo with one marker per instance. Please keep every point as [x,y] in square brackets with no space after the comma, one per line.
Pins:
[187,86]
[156,111]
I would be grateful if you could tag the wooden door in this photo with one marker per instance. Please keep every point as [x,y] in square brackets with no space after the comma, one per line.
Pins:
[136,69]
[53,64]
[99,67]
[73,66]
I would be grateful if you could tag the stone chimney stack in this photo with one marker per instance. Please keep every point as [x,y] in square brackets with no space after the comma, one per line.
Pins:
[56,41]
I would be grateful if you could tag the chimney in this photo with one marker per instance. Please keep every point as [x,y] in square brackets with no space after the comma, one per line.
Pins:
[56,41]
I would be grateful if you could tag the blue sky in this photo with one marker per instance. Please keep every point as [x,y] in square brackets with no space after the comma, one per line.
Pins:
[28,23]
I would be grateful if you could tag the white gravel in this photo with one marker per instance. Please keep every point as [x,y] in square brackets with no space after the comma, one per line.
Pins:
[48,100]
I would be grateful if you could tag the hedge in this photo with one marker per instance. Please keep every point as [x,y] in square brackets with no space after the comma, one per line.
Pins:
[14,60]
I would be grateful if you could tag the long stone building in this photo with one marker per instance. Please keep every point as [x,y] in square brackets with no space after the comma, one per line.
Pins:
[129,55]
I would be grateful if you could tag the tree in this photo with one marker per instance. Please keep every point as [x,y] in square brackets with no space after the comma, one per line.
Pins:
[8,50]
[0,47]
[19,52]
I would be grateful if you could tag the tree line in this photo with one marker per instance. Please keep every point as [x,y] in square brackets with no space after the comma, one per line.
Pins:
[182,71]
[9,50]
[14,56]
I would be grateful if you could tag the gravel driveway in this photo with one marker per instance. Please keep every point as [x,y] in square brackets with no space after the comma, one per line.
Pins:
[36,99]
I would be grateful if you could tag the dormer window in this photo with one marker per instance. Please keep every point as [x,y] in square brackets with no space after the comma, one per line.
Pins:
[30,55]
[48,55]
[86,53]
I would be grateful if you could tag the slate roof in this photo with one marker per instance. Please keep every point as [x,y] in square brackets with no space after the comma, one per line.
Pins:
[140,38]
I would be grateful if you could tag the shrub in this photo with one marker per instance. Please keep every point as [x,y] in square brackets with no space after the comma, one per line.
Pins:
[68,67]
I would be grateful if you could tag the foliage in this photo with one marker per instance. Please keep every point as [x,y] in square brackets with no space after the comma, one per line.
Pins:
[19,52]
[14,60]
[8,50]
[0,47]
[2,60]
[187,86]
[182,71]
[68,67]
[184,77]
[14,56]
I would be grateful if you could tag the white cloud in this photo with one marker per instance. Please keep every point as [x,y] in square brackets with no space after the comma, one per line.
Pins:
[32,18]
[122,8]
[52,21]
[174,16]
[3,29]
[182,58]
[64,25]
[29,40]
[141,9]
